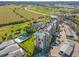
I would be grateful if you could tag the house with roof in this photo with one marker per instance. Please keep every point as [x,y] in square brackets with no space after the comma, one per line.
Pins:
[22,38]
[54,17]
[40,25]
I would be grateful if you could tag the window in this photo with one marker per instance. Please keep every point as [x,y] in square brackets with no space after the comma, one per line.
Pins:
[38,39]
[40,42]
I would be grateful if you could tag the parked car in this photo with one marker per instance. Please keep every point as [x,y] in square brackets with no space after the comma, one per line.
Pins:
[67,48]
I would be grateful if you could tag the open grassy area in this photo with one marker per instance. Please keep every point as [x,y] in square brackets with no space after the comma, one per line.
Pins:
[7,31]
[29,45]
[48,10]
[40,9]
[43,20]
[13,13]
[7,15]
[27,14]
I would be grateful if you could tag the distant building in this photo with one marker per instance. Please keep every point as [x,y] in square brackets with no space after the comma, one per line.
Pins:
[67,16]
[43,39]
[65,6]
[75,11]
[40,25]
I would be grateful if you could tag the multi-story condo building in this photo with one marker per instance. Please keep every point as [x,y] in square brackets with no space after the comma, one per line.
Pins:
[43,36]
[43,39]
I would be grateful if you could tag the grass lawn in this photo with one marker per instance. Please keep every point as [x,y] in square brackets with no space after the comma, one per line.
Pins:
[29,45]
[7,30]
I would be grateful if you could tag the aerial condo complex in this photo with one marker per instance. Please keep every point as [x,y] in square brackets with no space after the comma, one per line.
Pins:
[39,29]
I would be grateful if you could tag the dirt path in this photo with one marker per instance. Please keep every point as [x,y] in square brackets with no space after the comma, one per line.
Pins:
[36,12]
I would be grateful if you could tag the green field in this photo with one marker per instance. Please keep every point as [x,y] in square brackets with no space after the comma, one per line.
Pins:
[27,14]
[40,9]
[48,10]
[29,45]
[7,31]
[7,15]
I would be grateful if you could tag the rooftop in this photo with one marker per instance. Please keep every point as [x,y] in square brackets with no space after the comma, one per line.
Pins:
[5,44]
[68,32]
[16,53]
[40,34]
[22,38]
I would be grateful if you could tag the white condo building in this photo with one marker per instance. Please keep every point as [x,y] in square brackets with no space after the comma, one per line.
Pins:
[43,36]
[43,39]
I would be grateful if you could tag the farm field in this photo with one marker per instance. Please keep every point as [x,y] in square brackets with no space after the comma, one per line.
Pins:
[7,15]
[28,15]
[48,10]
[40,9]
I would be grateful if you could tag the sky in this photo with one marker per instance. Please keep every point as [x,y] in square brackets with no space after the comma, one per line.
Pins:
[39,0]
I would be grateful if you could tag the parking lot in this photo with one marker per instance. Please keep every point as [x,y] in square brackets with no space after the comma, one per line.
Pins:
[54,52]
[76,50]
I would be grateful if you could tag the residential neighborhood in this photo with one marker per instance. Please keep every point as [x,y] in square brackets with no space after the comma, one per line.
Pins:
[39,29]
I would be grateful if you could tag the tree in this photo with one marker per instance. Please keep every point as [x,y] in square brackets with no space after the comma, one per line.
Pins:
[5,34]
[30,29]
[3,38]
